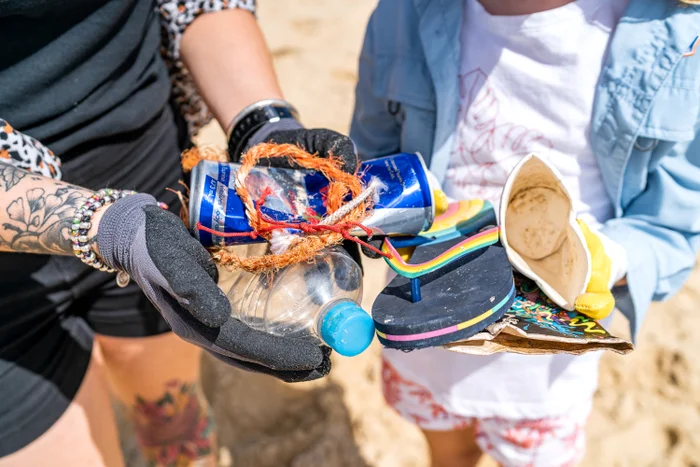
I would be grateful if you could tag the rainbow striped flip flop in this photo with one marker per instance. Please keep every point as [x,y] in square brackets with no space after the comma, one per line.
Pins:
[448,291]
[461,218]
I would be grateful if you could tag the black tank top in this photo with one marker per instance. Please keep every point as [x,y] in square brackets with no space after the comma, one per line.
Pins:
[86,78]
[76,73]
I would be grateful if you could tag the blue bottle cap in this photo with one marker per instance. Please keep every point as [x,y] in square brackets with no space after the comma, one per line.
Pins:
[347,328]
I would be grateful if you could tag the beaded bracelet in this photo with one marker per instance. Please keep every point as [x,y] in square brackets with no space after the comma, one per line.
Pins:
[82,223]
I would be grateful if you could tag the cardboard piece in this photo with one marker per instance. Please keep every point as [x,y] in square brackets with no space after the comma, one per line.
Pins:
[535,325]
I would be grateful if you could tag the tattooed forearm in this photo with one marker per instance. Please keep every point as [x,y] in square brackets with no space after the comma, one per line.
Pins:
[10,176]
[176,429]
[36,212]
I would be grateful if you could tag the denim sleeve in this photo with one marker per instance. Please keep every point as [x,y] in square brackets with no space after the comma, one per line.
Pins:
[660,231]
[374,130]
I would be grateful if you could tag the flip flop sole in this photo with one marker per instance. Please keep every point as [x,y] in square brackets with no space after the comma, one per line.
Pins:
[458,300]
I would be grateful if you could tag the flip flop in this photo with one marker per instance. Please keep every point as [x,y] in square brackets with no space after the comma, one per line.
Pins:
[460,218]
[454,285]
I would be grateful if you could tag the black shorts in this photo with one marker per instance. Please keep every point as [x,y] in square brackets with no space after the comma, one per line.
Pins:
[51,306]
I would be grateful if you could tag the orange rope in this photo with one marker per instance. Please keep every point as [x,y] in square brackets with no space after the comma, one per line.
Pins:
[191,157]
[315,237]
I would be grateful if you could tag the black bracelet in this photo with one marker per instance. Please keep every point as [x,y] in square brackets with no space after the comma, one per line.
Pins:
[251,119]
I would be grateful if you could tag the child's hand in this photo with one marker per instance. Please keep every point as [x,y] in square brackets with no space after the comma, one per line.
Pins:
[598,301]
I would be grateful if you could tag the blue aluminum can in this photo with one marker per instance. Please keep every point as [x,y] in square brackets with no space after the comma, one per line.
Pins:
[405,206]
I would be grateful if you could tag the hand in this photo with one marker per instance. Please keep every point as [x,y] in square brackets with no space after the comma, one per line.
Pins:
[179,277]
[314,141]
[598,301]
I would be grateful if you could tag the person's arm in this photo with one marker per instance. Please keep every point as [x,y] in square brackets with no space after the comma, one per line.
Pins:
[132,234]
[660,230]
[36,208]
[36,212]
[237,80]
[231,65]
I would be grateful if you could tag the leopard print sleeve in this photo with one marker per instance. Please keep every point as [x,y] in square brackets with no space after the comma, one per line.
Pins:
[27,153]
[175,16]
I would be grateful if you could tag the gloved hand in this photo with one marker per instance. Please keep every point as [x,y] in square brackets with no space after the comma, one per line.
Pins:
[179,277]
[608,266]
[314,141]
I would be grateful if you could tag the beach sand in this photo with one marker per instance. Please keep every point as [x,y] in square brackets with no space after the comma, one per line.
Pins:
[647,410]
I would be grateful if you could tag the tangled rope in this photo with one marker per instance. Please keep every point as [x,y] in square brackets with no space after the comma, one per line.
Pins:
[290,248]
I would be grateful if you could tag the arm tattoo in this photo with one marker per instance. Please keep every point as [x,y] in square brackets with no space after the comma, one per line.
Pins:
[10,176]
[36,212]
[176,428]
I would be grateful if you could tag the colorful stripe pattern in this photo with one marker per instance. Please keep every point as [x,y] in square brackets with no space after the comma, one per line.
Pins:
[412,271]
[456,213]
[451,329]
[461,217]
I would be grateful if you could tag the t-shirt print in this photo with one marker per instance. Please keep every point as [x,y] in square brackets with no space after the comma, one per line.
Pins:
[487,146]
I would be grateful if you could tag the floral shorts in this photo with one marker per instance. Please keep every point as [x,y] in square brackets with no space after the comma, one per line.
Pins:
[546,442]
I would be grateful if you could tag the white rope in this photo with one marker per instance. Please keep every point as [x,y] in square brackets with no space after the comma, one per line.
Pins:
[283,239]
[374,188]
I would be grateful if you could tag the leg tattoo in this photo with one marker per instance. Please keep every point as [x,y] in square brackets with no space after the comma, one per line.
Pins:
[175,429]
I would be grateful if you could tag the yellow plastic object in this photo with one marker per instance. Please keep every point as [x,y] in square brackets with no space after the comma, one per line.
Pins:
[597,302]
[441,202]
[406,253]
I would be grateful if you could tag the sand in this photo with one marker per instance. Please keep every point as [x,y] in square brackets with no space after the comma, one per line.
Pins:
[647,410]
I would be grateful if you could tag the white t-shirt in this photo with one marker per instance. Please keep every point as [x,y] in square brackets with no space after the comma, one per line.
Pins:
[527,84]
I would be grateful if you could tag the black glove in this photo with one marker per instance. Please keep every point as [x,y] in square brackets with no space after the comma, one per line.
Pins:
[319,141]
[276,122]
[179,277]
[376,242]
[315,141]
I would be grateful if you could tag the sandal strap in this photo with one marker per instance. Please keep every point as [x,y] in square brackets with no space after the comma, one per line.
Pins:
[411,271]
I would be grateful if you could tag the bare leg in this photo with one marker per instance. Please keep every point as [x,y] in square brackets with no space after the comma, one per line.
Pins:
[455,448]
[157,380]
[86,434]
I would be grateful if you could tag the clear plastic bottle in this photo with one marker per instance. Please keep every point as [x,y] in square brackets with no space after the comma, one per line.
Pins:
[317,301]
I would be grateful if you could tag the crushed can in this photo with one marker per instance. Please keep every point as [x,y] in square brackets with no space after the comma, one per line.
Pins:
[405,206]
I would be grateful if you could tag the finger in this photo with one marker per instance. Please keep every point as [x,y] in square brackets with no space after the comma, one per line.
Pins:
[376,242]
[322,141]
[315,277]
[295,137]
[329,142]
[237,340]
[345,278]
[185,267]
[176,232]
[595,305]
[344,148]
[286,376]
[241,343]
[353,249]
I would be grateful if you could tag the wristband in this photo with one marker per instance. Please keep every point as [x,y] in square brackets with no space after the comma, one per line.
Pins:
[254,117]
[83,221]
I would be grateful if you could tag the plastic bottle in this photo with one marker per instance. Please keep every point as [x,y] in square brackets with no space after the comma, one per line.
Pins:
[317,301]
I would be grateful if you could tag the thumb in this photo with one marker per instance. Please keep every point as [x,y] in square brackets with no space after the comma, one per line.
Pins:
[376,242]
[596,305]
[185,266]
[597,302]
[601,264]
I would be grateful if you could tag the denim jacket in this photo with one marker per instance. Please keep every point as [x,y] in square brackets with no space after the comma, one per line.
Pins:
[644,129]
